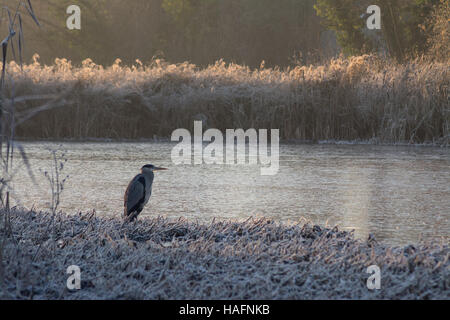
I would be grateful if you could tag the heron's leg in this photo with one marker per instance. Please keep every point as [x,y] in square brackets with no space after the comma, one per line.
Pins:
[133,216]
[138,211]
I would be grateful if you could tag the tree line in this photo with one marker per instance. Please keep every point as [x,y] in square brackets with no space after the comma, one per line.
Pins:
[247,32]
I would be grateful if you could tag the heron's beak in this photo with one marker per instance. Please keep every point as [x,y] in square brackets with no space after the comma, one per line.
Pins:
[159,168]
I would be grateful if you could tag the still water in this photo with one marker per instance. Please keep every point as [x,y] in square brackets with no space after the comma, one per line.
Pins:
[398,193]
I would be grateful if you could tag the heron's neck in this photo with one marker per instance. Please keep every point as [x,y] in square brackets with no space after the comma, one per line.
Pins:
[148,174]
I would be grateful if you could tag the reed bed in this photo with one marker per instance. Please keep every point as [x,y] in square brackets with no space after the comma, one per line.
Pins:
[157,258]
[357,98]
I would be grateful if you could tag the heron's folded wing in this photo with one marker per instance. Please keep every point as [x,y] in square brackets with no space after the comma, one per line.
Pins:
[135,194]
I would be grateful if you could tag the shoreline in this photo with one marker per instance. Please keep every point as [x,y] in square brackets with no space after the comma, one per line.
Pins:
[427,144]
[159,258]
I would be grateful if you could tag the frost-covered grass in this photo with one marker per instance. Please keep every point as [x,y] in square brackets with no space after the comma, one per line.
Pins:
[157,258]
[359,98]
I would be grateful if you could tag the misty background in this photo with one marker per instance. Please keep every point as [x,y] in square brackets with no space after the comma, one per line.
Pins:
[280,33]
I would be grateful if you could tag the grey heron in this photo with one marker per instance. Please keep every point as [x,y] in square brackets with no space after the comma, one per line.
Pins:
[138,192]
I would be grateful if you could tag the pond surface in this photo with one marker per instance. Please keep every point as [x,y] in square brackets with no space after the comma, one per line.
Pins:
[398,193]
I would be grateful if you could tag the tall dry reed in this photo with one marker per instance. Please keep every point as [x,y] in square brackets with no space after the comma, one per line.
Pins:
[356,98]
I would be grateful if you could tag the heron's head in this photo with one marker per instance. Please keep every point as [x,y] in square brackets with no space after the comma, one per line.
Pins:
[151,168]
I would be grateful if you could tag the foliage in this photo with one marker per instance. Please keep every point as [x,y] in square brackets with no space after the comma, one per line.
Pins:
[401,34]
[437,27]
[344,18]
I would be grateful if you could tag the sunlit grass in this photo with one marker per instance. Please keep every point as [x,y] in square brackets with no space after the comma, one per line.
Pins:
[357,98]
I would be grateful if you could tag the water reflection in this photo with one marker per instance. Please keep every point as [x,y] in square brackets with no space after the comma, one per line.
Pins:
[396,193]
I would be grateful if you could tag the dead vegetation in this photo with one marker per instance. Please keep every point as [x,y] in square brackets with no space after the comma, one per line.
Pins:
[356,98]
[159,258]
